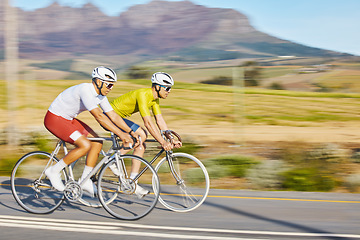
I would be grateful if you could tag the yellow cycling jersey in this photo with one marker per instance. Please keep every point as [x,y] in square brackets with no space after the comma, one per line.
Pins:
[140,100]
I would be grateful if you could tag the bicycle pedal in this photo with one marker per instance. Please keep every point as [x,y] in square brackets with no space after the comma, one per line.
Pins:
[93,178]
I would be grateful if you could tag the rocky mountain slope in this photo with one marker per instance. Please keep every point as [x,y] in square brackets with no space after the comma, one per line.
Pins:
[176,30]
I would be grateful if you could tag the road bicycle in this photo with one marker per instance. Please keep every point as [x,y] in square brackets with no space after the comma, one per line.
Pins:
[185,182]
[116,191]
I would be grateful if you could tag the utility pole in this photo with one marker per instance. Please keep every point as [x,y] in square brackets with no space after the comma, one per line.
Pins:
[238,102]
[11,68]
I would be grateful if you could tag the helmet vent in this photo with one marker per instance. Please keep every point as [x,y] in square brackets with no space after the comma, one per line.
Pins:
[109,77]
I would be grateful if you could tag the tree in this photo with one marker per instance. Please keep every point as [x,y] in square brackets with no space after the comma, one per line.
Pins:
[219,80]
[252,73]
[276,86]
[135,72]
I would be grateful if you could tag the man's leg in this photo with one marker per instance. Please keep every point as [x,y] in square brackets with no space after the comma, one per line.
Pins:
[93,154]
[83,145]
[53,173]
[139,151]
[91,159]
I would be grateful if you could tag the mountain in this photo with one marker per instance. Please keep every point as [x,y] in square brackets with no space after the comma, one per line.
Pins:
[178,30]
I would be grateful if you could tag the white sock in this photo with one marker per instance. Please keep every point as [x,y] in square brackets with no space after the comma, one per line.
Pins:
[58,166]
[133,175]
[86,171]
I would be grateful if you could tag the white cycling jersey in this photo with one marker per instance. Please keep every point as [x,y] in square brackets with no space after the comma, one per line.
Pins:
[77,99]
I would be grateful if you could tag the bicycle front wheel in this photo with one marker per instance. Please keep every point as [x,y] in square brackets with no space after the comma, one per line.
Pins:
[184,181]
[124,198]
[31,188]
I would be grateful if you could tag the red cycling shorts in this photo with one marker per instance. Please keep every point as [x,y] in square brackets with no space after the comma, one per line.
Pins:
[67,130]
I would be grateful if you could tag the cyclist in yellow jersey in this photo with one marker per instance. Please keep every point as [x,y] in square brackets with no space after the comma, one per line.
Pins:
[142,100]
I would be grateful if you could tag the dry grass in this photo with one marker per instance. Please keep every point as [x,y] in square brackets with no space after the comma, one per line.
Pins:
[205,112]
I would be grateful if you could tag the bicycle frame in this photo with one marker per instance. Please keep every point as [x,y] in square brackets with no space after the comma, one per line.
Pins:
[108,156]
[112,153]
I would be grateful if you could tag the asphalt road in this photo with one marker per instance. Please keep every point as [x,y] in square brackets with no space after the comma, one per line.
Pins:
[224,215]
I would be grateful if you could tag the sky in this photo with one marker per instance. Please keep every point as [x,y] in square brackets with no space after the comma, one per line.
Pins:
[327,24]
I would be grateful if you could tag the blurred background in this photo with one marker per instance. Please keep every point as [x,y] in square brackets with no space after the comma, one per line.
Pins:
[283,113]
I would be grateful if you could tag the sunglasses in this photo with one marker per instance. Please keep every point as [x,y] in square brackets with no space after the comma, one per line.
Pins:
[108,85]
[168,89]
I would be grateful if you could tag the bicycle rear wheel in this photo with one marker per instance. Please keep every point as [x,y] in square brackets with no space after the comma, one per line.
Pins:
[119,196]
[31,188]
[187,186]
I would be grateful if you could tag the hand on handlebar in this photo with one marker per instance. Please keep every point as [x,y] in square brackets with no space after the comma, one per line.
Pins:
[177,144]
[127,141]
[136,138]
[173,142]
[167,146]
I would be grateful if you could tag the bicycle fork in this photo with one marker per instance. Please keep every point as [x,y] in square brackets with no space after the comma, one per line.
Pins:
[169,159]
[125,183]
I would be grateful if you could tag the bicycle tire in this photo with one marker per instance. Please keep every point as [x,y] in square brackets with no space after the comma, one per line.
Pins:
[192,189]
[31,188]
[119,199]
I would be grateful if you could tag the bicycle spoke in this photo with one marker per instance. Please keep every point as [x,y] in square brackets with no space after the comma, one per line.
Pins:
[128,204]
[184,182]
[36,196]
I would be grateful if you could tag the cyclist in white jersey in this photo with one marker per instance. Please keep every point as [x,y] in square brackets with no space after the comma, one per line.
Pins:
[61,121]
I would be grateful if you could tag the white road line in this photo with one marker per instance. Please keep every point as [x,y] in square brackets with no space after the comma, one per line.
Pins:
[43,223]
[115,232]
[113,227]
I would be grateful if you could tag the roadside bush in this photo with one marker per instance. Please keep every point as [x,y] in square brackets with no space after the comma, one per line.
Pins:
[352,182]
[267,174]
[308,179]
[331,153]
[194,175]
[356,156]
[230,165]
[29,142]
[314,168]
[293,153]
[189,147]
[40,142]
[7,164]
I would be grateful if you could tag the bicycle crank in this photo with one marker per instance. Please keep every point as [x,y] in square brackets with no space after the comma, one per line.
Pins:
[73,192]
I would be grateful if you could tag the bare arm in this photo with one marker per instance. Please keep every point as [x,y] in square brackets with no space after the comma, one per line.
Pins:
[115,118]
[103,120]
[153,130]
[157,135]
[161,122]
[151,127]
[119,121]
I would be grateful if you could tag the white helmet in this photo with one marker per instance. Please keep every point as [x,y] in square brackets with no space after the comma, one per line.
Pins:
[104,73]
[162,78]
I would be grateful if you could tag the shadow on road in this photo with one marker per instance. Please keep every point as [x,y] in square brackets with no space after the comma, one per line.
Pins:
[304,228]
[6,185]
